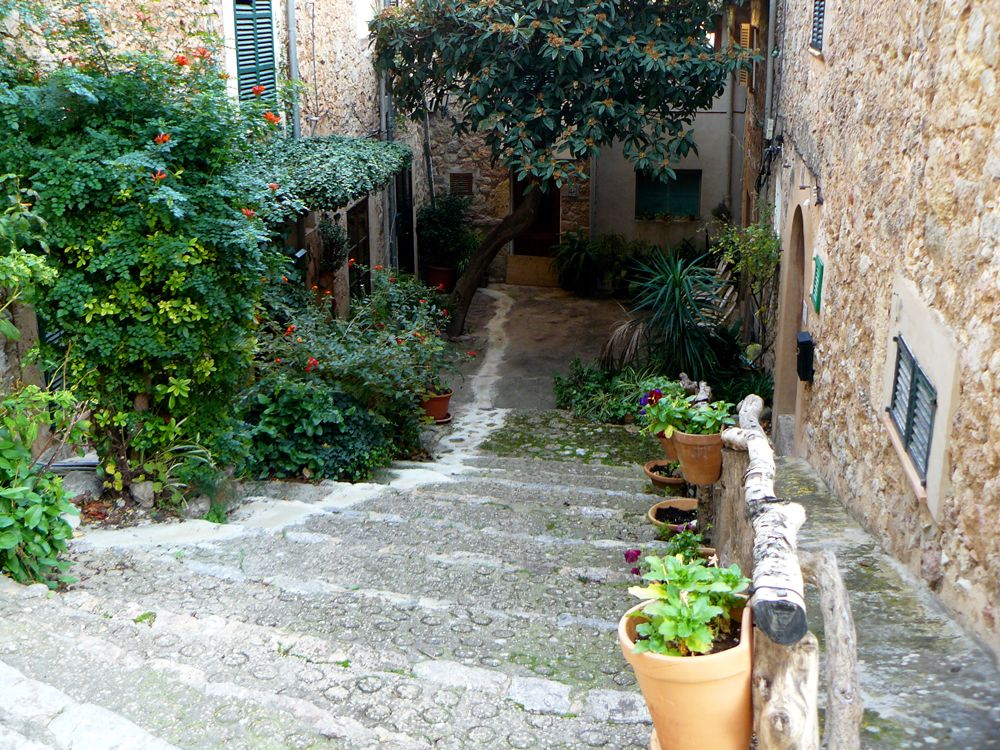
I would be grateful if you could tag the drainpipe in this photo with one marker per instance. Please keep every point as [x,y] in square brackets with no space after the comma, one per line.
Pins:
[427,156]
[731,136]
[293,68]
[772,21]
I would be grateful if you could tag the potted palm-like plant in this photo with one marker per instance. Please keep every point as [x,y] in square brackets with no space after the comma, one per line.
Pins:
[689,645]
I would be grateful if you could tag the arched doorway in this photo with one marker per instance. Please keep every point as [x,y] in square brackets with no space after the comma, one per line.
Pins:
[790,305]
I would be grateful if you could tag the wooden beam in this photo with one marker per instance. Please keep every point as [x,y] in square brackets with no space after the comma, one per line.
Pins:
[778,602]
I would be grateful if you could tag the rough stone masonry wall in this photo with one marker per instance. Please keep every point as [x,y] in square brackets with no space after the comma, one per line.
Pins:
[899,123]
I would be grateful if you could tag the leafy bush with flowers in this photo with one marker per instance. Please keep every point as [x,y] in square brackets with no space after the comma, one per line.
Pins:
[601,396]
[671,411]
[340,398]
[155,225]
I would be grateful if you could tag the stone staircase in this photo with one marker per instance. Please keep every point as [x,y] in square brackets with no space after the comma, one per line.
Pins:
[456,605]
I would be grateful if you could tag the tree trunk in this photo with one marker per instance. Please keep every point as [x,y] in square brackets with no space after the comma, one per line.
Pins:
[512,225]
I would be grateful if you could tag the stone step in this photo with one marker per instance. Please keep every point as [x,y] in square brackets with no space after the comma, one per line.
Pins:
[540,493]
[267,679]
[460,608]
[514,465]
[523,518]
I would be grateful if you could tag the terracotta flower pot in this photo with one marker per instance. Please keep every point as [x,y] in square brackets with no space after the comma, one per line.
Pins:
[659,481]
[697,702]
[700,456]
[669,449]
[441,278]
[680,503]
[436,407]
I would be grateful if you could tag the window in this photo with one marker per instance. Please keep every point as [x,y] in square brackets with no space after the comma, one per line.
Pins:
[819,15]
[255,64]
[914,402]
[678,198]
[460,183]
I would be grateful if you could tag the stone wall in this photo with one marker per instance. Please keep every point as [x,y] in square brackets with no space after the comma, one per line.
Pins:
[892,154]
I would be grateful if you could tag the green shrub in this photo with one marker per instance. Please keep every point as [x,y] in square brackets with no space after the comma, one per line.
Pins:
[33,532]
[301,428]
[596,266]
[444,237]
[154,225]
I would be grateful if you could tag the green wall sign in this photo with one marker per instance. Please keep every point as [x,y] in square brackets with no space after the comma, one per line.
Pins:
[817,288]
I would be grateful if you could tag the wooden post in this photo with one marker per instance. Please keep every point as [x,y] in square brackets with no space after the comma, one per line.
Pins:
[785,687]
[844,701]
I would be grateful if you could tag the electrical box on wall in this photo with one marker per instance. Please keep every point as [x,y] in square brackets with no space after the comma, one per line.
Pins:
[805,349]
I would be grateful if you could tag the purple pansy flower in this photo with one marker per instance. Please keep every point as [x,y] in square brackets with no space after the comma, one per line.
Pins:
[631,555]
[635,571]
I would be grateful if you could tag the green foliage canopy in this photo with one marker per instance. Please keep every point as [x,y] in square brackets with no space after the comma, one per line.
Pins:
[548,82]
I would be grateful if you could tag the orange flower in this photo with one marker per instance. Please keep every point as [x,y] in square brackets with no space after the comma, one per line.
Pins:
[158,175]
[284,279]
[181,60]
[290,330]
[272,118]
[161,139]
[257,90]
[273,186]
[248,212]
[224,76]
[315,288]
[202,54]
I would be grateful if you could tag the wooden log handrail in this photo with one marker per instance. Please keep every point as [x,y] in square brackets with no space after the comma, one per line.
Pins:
[778,600]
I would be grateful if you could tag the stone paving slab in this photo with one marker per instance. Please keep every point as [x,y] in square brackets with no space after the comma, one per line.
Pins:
[926,682]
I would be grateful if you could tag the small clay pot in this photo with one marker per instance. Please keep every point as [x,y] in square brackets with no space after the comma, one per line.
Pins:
[700,456]
[659,481]
[669,449]
[436,407]
[680,503]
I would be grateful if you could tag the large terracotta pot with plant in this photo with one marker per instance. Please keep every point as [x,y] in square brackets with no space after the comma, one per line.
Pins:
[699,442]
[690,650]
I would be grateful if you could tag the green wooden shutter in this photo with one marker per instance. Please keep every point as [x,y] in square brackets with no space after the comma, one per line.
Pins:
[913,405]
[676,198]
[819,16]
[255,63]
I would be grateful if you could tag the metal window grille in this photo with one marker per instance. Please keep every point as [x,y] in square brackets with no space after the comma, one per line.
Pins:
[255,60]
[460,183]
[819,15]
[913,405]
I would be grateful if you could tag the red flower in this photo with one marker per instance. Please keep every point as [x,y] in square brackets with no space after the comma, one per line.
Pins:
[263,279]
[444,312]
[290,330]
[284,279]
[471,354]
[635,571]
[257,90]
[441,286]
[158,175]
[181,60]
[327,292]
[272,118]
[350,262]
[378,268]
[161,139]
[274,186]
[202,54]
[311,363]
[392,279]
[399,341]
[248,212]
[422,301]
[278,360]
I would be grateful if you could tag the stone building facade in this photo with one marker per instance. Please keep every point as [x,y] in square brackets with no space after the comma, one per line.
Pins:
[887,195]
